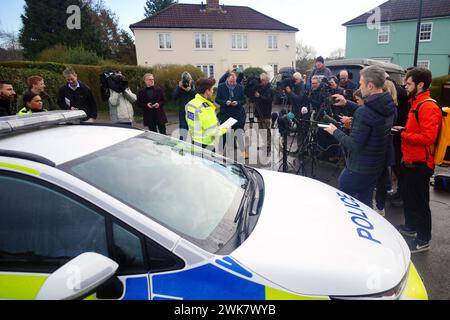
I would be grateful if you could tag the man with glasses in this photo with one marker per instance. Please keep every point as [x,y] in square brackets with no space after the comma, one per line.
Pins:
[151,100]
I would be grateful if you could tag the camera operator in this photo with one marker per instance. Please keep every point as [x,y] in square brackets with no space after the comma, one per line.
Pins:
[297,94]
[184,93]
[369,139]
[120,100]
[263,99]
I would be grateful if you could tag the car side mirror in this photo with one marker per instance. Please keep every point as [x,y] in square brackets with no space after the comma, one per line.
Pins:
[78,278]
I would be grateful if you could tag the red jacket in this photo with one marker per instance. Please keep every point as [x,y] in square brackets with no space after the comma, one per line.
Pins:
[419,137]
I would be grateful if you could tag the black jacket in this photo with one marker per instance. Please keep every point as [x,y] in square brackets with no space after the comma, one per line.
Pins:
[263,104]
[298,97]
[81,98]
[370,138]
[5,108]
[182,98]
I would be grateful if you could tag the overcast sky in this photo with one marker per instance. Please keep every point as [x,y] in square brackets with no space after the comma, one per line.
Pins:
[319,21]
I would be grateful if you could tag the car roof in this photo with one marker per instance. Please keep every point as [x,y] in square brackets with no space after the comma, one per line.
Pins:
[389,67]
[65,143]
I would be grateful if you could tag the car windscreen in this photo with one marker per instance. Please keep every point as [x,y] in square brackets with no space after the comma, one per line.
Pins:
[193,192]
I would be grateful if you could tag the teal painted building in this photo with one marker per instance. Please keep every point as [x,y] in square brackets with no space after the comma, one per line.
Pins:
[388,33]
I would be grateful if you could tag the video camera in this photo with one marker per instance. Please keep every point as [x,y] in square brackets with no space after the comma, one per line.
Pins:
[114,81]
[251,85]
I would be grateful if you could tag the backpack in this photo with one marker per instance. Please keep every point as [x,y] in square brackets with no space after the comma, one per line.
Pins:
[441,183]
[440,150]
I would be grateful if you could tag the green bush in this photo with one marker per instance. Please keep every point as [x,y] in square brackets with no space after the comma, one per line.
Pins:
[167,76]
[75,55]
[253,72]
[49,66]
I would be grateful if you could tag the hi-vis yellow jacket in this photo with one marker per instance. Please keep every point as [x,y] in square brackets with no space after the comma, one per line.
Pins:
[202,121]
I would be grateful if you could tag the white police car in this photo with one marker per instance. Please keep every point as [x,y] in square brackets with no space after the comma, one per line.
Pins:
[102,212]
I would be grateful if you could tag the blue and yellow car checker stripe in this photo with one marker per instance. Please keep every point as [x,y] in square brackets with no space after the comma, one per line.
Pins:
[415,288]
[20,287]
[216,282]
[23,286]
[136,288]
[19,168]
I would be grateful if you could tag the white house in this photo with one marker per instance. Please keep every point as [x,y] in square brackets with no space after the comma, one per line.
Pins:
[214,38]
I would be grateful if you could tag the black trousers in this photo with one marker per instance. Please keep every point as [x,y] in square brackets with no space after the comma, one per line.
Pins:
[154,127]
[416,198]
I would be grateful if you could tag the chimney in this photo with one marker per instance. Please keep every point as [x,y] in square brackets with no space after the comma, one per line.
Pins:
[212,5]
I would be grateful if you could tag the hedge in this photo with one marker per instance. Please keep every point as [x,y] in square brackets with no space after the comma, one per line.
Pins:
[19,78]
[167,76]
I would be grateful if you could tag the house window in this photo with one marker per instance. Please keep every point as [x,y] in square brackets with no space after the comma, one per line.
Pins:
[239,41]
[275,68]
[240,67]
[426,31]
[423,64]
[208,70]
[203,40]
[384,34]
[273,42]
[165,41]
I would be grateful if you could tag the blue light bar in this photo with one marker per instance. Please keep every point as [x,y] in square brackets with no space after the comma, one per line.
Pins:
[41,119]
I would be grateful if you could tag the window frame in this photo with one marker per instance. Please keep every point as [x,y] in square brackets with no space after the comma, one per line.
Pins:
[380,33]
[167,40]
[209,40]
[208,66]
[426,32]
[109,221]
[271,42]
[243,41]
[420,64]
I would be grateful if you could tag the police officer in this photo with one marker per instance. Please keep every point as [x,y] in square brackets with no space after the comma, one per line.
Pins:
[32,103]
[201,116]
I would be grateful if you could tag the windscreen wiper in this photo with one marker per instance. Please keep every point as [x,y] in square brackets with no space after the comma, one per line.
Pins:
[249,186]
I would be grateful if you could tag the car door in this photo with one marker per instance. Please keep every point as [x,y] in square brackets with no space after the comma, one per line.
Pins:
[42,227]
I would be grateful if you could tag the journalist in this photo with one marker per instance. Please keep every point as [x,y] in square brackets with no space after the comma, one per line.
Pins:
[263,107]
[369,139]
[184,93]
[231,98]
[75,95]
[297,94]
[421,132]
[121,100]
[320,70]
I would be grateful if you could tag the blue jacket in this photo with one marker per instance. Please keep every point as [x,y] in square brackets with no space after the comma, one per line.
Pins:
[370,138]
[238,112]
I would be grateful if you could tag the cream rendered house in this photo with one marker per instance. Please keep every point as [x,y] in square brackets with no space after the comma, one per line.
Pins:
[214,38]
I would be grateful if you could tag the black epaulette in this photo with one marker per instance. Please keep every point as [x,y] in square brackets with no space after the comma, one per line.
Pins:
[205,104]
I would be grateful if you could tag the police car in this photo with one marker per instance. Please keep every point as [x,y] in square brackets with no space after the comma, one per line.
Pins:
[103,212]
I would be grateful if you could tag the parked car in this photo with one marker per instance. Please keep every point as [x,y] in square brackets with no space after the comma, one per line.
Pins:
[134,215]
[354,66]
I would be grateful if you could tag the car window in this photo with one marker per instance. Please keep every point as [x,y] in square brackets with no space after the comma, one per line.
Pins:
[128,252]
[195,196]
[41,229]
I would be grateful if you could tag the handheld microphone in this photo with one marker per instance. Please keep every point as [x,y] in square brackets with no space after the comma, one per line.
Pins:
[327,118]
[304,110]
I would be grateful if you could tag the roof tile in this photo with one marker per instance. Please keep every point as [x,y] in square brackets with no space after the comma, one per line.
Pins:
[191,16]
[395,10]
